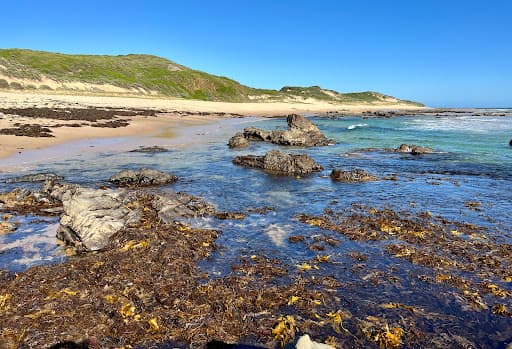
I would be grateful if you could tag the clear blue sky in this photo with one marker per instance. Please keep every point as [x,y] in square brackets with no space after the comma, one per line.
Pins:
[443,53]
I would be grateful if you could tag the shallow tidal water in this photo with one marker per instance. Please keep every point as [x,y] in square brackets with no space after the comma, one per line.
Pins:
[472,163]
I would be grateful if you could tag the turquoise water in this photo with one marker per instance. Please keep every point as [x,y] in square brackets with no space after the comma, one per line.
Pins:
[473,162]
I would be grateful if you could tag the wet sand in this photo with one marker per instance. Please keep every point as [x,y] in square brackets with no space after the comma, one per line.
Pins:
[168,113]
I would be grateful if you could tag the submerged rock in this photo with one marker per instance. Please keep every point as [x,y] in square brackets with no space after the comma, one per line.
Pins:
[230,215]
[142,177]
[301,132]
[355,175]
[277,162]
[238,141]
[38,177]
[92,216]
[413,149]
[151,150]
[173,206]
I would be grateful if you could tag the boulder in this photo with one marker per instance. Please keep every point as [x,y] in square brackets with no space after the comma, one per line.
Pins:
[173,206]
[413,149]
[142,177]
[92,216]
[277,162]
[301,132]
[238,141]
[256,134]
[510,143]
[351,176]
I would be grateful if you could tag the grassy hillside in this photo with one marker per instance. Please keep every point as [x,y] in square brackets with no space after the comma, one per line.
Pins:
[145,74]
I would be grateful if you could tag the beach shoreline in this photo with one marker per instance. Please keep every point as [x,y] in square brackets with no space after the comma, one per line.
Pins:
[169,113]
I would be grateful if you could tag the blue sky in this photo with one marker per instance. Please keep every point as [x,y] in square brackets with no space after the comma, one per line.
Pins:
[442,53]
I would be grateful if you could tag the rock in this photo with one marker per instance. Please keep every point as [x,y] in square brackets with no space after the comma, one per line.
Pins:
[355,175]
[301,132]
[92,216]
[277,162]
[173,206]
[55,191]
[7,227]
[143,177]
[510,143]
[230,215]
[38,177]
[151,150]
[256,134]
[238,141]
[305,342]
[413,149]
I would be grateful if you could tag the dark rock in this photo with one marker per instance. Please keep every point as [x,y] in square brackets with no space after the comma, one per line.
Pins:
[38,177]
[277,162]
[301,132]
[238,141]
[413,149]
[151,150]
[143,177]
[510,143]
[173,206]
[296,238]
[260,210]
[355,175]
[28,130]
[256,134]
[231,215]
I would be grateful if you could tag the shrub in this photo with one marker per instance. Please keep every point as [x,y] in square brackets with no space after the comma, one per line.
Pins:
[16,85]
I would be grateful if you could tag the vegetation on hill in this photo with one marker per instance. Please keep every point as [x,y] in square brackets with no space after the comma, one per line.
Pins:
[147,75]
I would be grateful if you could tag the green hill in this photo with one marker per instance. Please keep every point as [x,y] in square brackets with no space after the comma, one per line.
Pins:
[137,74]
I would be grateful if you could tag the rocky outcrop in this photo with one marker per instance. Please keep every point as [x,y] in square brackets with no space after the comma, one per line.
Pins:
[301,132]
[92,216]
[38,177]
[173,206]
[413,149]
[351,176]
[142,178]
[277,162]
[238,141]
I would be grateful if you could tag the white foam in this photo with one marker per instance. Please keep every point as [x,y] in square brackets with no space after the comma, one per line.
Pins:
[352,127]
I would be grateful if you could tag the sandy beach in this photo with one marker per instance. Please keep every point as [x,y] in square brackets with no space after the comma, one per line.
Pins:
[170,113]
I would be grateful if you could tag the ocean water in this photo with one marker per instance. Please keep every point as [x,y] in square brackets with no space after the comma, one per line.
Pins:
[473,162]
